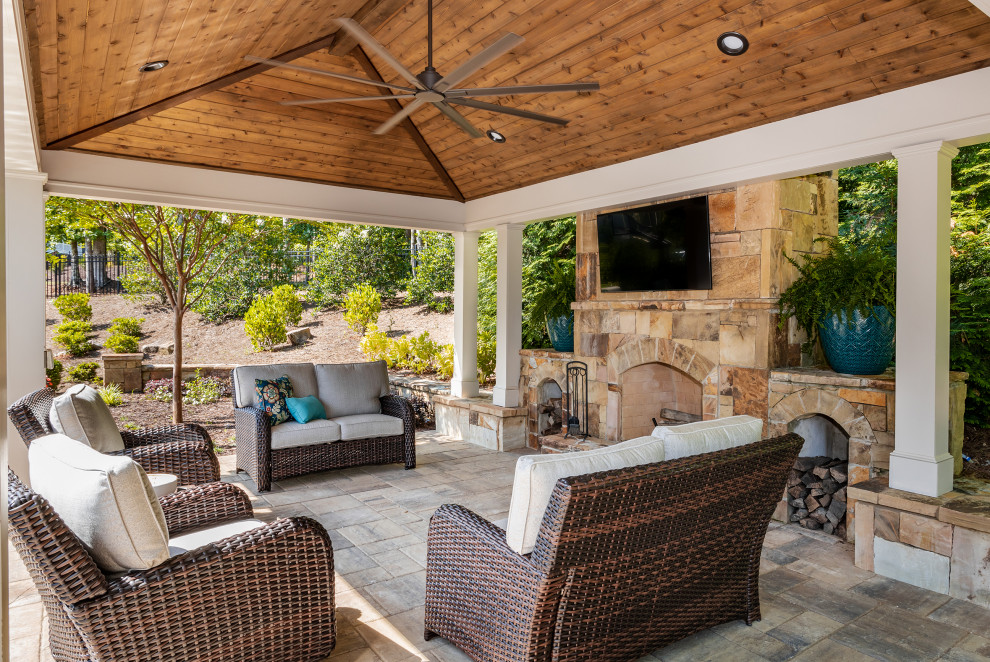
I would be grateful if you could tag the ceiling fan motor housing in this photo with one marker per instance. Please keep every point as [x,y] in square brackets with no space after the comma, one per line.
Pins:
[429,78]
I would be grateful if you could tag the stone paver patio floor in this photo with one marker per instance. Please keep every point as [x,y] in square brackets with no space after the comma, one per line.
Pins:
[816,604]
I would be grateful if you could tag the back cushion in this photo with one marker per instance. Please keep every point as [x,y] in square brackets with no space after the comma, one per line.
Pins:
[81,414]
[708,436]
[536,476]
[352,388]
[300,374]
[106,500]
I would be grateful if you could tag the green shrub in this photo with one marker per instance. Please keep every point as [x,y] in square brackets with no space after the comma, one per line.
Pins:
[126,326]
[201,390]
[398,352]
[264,324]
[74,307]
[375,344]
[445,362]
[434,271]
[348,255]
[84,372]
[292,308]
[486,356]
[121,344]
[111,394]
[74,337]
[54,374]
[423,353]
[362,307]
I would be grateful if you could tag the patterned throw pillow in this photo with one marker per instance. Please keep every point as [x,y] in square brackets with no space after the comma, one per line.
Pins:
[271,394]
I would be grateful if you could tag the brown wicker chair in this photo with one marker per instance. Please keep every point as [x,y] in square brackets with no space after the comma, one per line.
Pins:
[267,594]
[264,464]
[184,450]
[627,561]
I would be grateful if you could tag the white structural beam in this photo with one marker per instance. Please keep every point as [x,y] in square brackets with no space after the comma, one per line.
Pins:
[464,383]
[126,180]
[921,461]
[858,132]
[508,325]
[25,272]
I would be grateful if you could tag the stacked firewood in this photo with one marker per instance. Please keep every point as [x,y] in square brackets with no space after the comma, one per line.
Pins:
[816,492]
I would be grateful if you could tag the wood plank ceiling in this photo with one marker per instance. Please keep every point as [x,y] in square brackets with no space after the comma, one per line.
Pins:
[663,82]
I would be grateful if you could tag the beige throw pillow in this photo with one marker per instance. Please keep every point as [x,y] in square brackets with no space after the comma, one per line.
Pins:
[106,500]
[81,414]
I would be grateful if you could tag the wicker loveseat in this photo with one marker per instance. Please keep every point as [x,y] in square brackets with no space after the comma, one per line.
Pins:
[364,424]
[184,450]
[262,594]
[625,562]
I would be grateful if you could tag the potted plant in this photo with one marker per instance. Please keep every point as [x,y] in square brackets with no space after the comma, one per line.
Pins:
[550,299]
[846,296]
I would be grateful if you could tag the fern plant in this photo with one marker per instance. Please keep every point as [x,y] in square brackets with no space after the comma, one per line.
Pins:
[856,272]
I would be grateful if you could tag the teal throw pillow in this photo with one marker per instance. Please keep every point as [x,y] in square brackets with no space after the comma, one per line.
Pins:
[306,409]
[271,394]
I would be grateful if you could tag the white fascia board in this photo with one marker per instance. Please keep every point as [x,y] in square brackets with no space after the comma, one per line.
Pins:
[20,144]
[80,175]
[982,5]
[950,109]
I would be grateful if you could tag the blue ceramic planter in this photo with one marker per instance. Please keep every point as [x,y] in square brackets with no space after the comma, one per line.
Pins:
[862,346]
[561,330]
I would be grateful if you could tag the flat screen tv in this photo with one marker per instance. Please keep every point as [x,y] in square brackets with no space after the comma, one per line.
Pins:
[659,247]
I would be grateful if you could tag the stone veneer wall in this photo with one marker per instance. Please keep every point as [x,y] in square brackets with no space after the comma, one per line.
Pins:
[725,338]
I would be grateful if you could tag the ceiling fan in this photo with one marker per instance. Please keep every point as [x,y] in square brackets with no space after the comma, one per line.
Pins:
[431,87]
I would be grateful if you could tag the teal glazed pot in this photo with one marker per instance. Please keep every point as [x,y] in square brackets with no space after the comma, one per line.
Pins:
[561,330]
[860,345]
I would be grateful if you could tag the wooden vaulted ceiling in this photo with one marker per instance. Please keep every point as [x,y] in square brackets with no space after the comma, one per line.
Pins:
[663,82]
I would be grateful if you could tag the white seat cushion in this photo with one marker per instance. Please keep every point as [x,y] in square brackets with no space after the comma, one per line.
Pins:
[81,414]
[197,538]
[708,436]
[536,476]
[352,388]
[300,374]
[106,500]
[364,426]
[292,433]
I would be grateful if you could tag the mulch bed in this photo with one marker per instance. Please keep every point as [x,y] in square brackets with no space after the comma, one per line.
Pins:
[976,446]
[140,411]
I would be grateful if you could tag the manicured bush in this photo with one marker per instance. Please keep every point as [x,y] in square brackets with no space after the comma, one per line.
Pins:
[126,326]
[84,372]
[361,308]
[348,255]
[74,337]
[264,324]
[111,394]
[54,374]
[74,307]
[285,297]
[445,362]
[121,343]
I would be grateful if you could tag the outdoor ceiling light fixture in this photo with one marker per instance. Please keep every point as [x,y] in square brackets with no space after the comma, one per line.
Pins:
[495,136]
[732,43]
[153,66]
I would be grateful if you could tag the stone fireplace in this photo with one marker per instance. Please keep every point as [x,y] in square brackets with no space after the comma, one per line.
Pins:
[657,392]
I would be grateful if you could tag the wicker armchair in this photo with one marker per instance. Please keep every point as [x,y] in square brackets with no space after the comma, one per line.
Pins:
[264,464]
[184,450]
[627,561]
[267,594]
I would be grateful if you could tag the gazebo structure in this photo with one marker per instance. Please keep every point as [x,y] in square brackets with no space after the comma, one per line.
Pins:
[822,85]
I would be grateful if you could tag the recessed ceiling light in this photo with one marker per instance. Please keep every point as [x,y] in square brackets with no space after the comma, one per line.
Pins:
[732,43]
[153,66]
[495,136]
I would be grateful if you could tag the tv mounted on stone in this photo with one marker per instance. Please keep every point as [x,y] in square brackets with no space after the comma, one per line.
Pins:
[659,247]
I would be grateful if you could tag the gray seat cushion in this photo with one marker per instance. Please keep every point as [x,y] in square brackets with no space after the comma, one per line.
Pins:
[352,388]
[300,374]
[292,433]
[81,414]
[364,426]
[209,534]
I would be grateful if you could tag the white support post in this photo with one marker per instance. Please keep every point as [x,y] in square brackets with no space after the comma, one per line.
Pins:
[508,326]
[464,383]
[920,461]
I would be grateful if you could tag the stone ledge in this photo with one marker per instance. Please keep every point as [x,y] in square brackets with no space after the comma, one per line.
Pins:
[675,304]
[884,382]
[968,511]
[547,354]
[481,404]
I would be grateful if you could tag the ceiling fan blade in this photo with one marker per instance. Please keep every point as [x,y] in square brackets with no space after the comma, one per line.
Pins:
[459,119]
[369,42]
[306,102]
[472,64]
[484,105]
[355,79]
[394,120]
[522,89]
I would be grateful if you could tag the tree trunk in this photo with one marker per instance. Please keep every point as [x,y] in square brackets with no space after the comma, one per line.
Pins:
[99,259]
[76,279]
[89,267]
[177,365]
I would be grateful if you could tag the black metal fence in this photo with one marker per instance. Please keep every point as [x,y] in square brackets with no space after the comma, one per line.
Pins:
[62,276]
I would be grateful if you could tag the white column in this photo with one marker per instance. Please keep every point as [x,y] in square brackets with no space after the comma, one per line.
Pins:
[24,208]
[508,326]
[464,383]
[920,461]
